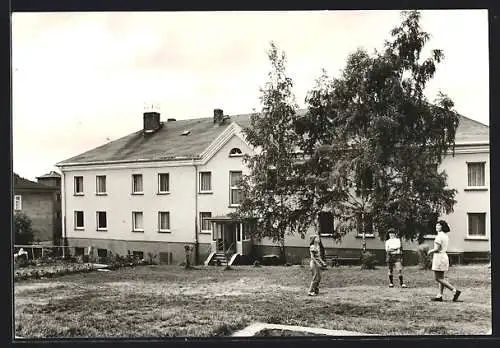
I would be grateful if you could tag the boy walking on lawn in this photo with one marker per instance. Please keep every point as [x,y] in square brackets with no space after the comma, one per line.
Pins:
[394,257]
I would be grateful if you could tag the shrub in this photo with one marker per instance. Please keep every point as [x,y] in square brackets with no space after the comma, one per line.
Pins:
[368,260]
[21,261]
[24,233]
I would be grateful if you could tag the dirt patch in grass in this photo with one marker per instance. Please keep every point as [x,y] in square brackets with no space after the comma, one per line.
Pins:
[168,301]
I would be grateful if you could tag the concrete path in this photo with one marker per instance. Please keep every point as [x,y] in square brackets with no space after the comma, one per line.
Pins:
[256,327]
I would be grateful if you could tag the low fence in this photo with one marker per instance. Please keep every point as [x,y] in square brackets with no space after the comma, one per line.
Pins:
[37,251]
[34,252]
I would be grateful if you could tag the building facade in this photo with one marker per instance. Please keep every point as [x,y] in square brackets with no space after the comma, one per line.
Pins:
[42,204]
[173,183]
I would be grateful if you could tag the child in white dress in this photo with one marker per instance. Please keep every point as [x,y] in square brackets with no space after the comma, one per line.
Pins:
[440,261]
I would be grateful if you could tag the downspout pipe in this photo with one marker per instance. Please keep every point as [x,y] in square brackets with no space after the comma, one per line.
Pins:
[196,246]
[63,212]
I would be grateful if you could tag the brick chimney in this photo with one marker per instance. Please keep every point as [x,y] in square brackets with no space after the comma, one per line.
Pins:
[218,115]
[151,121]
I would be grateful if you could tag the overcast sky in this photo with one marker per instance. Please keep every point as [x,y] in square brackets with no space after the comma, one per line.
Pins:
[81,79]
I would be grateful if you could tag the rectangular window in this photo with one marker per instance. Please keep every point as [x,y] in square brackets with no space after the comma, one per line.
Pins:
[79,251]
[326,224]
[272,177]
[18,202]
[138,255]
[205,181]
[78,185]
[102,252]
[137,183]
[364,182]
[245,232]
[206,225]
[477,224]
[102,223]
[217,233]
[475,174]
[137,221]
[164,221]
[235,192]
[101,184]
[238,232]
[79,224]
[366,224]
[163,183]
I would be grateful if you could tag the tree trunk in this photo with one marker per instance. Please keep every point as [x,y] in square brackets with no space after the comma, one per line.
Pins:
[282,249]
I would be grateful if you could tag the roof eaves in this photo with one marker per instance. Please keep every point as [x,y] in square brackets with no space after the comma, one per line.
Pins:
[143,160]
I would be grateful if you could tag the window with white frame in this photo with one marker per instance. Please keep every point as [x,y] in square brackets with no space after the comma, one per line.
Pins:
[137,187]
[78,185]
[79,221]
[205,224]
[137,221]
[164,221]
[205,182]
[235,191]
[101,184]
[477,225]
[365,223]
[326,223]
[18,202]
[163,183]
[475,174]
[364,182]
[102,221]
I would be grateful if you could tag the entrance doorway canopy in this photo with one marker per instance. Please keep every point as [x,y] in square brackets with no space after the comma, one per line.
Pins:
[229,235]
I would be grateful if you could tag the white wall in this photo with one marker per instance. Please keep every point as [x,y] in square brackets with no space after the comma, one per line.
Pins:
[467,201]
[119,204]
[220,165]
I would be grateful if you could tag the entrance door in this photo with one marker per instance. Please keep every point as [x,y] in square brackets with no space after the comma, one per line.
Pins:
[218,240]
[230,237]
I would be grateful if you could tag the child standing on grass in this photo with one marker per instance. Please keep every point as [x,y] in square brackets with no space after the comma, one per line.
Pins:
[394,257]
[440,261]
[316,264]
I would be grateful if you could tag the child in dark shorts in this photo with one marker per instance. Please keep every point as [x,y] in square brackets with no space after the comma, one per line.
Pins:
[394,257]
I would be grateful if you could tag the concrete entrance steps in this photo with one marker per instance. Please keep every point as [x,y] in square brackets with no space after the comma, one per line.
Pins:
[257,327]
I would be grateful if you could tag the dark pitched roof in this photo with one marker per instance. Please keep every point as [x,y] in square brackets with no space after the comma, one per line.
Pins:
[52,174]
[168,143]
[21,184]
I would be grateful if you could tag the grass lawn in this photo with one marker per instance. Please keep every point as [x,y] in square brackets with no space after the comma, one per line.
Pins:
[165,301]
